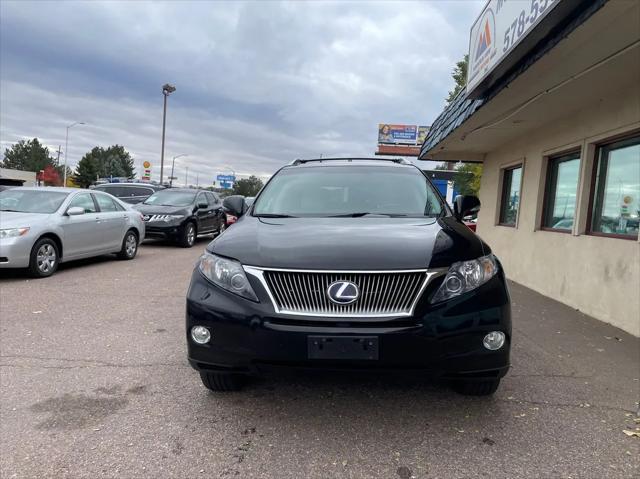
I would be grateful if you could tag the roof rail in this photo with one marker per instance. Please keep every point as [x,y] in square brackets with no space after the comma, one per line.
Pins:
[300,161]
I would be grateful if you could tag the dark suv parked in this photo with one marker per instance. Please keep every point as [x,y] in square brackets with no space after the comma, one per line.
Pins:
[350,264]
[181,214]
[129,192]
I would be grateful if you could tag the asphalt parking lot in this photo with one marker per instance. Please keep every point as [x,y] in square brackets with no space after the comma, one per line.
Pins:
[95,383]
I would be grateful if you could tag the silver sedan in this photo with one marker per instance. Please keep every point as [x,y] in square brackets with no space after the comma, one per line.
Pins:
[43,227]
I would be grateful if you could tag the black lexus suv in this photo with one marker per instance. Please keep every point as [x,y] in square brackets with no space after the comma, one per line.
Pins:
[350,264]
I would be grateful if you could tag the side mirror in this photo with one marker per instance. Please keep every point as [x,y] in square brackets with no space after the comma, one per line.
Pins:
[235,205]
[203,206]
[465,205]
[75,211]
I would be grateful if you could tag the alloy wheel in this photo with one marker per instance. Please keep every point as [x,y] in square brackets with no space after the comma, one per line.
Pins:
[46,258]
[131,244]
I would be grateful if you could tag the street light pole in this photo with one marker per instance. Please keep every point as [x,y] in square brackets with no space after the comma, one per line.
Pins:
[186,178]
[167,90]
[66,146]
[173,164]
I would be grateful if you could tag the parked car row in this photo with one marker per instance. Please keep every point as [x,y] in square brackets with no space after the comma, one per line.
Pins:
[43,227]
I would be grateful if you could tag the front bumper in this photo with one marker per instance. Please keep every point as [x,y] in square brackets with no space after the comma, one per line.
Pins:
[15,252]
[440,340]
[162,230]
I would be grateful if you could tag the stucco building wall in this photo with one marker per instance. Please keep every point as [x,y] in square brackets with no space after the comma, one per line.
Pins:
[598,275]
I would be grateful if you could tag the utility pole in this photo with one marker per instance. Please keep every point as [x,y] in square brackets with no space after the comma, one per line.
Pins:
[186,178]
[173,165]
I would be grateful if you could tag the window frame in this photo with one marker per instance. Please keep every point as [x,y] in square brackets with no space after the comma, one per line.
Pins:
[108,197]
[199,196]
[551,161]
[503,175]
[620,142]
[78,195]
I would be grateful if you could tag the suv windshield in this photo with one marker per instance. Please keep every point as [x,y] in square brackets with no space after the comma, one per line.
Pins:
[348,191]
[171,198]
[31,201]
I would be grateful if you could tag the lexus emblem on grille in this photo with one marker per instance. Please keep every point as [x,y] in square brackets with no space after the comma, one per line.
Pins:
[146,217]
[343,292]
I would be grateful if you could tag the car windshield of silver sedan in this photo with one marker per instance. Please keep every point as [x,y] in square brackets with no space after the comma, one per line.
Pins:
[356,191]
[31,201]
[171,198]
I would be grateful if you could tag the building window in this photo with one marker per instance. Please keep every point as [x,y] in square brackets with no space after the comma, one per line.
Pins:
[561,191]
[616,193]
[510,199]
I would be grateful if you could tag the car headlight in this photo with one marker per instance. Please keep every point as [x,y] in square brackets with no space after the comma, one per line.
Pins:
[13,232]
[466,276]
[227,274]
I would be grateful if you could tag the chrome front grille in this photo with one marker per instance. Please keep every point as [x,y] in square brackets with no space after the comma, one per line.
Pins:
[381,293]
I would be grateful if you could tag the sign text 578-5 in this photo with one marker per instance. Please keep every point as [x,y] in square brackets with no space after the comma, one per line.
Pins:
[520,24]
[500,27]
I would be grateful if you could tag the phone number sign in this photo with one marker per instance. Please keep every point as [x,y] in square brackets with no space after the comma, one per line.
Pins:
[501,26]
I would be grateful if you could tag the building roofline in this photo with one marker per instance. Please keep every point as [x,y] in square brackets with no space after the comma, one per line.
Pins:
[461,108]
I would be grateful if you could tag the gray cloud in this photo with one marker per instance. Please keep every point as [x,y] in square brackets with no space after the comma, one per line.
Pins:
[259,83]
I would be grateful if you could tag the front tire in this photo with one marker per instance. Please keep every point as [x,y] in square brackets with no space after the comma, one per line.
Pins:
[188,237]
[476,388]
[129,246]
[44,258]
[222,382]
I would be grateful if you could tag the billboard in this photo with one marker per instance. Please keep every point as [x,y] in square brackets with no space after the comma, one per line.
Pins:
[226,181]
[389,134]
[501,26]
[423,131]
[397,134]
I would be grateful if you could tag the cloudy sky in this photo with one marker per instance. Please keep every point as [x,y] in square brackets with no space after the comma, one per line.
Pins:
[259,83]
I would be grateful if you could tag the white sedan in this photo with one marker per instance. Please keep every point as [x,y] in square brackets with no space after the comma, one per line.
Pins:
[43,227]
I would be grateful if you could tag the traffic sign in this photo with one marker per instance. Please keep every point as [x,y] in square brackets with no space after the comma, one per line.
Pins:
[226,178]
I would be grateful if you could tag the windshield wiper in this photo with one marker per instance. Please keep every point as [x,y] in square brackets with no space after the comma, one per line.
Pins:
[272,215]
[12,211]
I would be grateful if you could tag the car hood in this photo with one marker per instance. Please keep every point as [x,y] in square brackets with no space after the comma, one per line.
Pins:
[365,243]
[11,219]
[160,210]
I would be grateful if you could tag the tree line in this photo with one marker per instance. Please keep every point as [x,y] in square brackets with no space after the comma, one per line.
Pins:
[114,161]
[99,162]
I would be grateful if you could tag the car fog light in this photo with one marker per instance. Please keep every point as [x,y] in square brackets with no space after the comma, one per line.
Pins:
[200,334]
[494,340]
